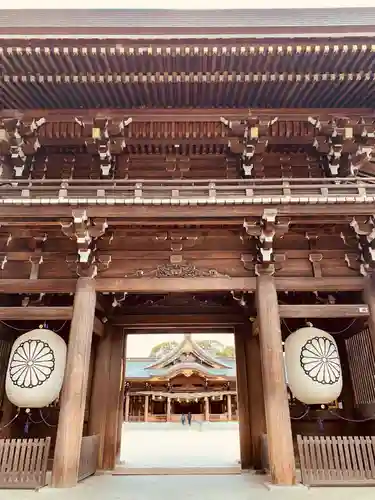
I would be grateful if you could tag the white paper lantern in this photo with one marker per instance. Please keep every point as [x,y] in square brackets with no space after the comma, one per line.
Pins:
[313,366]
[36,369]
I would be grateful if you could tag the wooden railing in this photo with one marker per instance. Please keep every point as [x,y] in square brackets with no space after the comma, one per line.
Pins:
[23,463]
[88,461]
[157,418]
[218,417]
[341,461]
[187,192]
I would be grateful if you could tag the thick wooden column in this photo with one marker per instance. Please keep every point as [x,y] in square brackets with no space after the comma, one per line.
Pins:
[114,398]
[206,409]
[127,407]
[146,408]
[243,400]
[229,406]
[73,398]
[99,395]
[369,296]
[256,398]
[122,394]
[168,409]
[279,431]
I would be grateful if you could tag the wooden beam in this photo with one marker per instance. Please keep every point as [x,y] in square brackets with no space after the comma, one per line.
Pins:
[33,313]
[180,114]
[323,311]
[161,330]
[176,213]
[168,285]
[130,321]
[37,286]
[304,284]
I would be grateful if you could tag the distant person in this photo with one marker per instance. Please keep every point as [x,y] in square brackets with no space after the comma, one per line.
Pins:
[189,418]
[183,418]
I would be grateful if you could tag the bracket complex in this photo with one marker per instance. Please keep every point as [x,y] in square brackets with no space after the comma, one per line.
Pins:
[86,232]
[265,231]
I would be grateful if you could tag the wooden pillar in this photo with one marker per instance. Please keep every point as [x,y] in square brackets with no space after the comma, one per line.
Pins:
[98,404]
[243,400]
[369,296]
[122,393]
[229,406]
[72,407]
[146,408]
[168,409]
[114,398]
[279,431]
[256,398]
[127,407]
[206,409]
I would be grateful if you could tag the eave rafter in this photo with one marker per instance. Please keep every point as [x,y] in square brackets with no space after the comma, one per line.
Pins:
[189,77]
[170,89]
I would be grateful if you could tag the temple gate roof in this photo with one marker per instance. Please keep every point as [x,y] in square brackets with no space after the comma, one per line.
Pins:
[187,356]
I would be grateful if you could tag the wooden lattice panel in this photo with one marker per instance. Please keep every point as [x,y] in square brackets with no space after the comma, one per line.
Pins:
[23,463]
[337,461]
[362,367]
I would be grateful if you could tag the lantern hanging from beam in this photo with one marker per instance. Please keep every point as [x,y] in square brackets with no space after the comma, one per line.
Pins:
[313,366]
[36,369]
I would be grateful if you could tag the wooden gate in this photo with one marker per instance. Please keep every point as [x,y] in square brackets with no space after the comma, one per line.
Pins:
[89,457]
[23,463]
[337,461]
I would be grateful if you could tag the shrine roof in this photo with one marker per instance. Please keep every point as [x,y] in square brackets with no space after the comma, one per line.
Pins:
[139,368]
[138,59]
[188,355]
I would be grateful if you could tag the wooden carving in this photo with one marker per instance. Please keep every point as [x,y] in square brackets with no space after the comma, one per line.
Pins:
[182,270]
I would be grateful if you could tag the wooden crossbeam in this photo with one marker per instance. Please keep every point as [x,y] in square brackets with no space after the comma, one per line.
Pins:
[323,311]
[36,313]
[135,321]
[183,115]
[169,285]
[33,313]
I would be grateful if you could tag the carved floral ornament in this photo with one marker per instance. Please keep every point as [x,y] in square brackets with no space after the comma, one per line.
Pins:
[183,270]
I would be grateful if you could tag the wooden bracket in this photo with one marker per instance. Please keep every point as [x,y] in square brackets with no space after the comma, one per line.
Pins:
[265,231]
[85,231]
[315,259]
[365,234]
